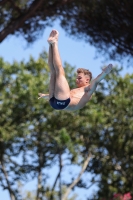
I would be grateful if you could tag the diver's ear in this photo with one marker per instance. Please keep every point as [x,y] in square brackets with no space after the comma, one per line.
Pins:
[87,80]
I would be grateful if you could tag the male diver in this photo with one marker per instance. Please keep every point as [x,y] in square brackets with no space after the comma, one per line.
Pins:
[60,96]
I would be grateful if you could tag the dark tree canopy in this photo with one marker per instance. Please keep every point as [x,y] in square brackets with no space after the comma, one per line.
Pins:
[106,24]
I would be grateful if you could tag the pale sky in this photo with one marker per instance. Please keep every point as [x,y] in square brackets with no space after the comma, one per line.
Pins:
[76,53]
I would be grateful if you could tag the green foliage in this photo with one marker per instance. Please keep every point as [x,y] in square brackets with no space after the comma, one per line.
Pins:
[113,155]
[32,134]
[34,137]
[27,195]
[19,85]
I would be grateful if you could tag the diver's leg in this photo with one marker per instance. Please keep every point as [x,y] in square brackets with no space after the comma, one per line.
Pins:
[52,73]
[62,90]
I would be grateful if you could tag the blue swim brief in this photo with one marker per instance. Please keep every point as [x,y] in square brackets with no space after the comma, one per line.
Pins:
[59,104]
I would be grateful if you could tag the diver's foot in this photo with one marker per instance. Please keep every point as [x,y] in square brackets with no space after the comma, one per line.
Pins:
[108,69]
[53,37]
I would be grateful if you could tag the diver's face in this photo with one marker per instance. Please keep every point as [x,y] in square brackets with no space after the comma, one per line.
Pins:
[82,80]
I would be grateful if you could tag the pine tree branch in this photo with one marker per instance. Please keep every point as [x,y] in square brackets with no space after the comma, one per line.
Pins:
[60,189]
[78,178]
[39,183]
[3,2]
[40,159]
[58,176]
[11,192]
[15,7]
[92,184]
[16,24]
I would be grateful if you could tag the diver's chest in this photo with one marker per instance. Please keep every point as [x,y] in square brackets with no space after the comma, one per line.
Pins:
[78,92]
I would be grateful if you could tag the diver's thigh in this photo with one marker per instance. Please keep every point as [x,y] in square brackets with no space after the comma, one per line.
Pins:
[62,90]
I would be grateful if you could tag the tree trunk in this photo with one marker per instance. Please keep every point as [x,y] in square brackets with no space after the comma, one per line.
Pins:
[78,178]
[12,194]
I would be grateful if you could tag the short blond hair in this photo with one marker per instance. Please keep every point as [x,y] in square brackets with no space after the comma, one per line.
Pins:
[85,71]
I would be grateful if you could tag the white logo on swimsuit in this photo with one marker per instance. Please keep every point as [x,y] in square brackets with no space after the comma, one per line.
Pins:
[60,103]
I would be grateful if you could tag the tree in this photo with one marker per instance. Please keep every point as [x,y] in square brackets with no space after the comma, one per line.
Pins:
[33,135]
[17,96]
[106,24]
[113,152]
[31,195]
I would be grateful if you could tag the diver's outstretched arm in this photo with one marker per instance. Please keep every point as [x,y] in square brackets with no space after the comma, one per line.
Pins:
[45,96]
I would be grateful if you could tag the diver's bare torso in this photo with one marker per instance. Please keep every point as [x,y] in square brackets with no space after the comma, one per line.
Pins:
[79,97]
